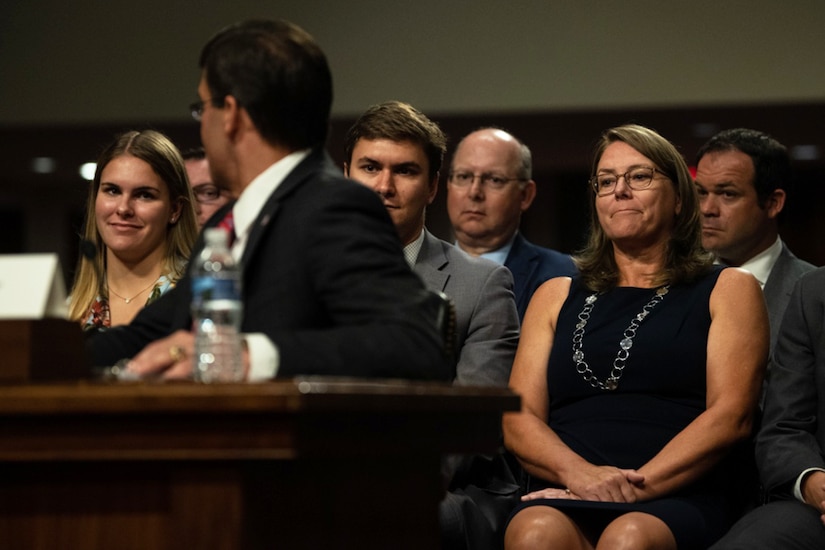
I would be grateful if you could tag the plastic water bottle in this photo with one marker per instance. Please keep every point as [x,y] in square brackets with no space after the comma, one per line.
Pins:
[216,311]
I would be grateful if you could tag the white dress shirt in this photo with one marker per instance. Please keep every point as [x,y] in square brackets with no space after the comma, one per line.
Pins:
[263,353]
[498,255]
[760,265]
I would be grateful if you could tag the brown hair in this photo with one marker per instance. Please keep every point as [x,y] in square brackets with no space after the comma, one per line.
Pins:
[397,121]
[685,258]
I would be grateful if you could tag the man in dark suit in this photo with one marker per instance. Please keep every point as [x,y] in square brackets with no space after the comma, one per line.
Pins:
[742,176]
[325,286]
[790,447]
[489,186]
[397,151]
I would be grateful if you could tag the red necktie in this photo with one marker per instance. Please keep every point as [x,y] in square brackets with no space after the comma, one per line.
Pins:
[228,225]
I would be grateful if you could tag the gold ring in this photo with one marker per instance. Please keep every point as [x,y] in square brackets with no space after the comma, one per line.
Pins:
[177,353]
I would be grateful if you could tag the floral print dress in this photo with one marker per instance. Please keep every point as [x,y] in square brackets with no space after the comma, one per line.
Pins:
[99,316]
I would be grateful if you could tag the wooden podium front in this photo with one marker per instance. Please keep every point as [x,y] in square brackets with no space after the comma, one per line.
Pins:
[302,463]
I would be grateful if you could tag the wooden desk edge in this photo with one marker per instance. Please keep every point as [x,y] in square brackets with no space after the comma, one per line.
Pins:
[283,395]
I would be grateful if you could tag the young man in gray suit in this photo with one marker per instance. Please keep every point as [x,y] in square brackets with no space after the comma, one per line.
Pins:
[397,151]
[790,448]
[741,176]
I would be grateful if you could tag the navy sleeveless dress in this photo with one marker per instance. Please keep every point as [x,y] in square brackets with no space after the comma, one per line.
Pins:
[662,389]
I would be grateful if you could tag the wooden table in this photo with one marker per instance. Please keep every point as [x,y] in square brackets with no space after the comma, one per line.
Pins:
[302,463]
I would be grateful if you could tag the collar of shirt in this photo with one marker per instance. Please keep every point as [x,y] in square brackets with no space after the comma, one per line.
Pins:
[411,250]
[500,256]
[762,264]
[254,197]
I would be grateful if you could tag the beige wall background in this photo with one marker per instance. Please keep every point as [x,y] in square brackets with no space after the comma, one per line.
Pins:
[557,73]
[86,62]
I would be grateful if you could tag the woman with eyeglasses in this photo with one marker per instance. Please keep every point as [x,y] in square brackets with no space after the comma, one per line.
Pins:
[139,230]
[639,376]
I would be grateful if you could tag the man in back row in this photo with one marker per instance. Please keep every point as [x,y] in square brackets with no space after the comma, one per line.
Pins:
[489,186]
[790,446]
[209,198]
[326,289]
[741,176]
[397,151]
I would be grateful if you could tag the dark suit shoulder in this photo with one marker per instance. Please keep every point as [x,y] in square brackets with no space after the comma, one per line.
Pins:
[557,260]
[549,262]
[318,185]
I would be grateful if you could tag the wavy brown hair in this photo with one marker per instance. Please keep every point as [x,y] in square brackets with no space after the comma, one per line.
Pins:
[685,259]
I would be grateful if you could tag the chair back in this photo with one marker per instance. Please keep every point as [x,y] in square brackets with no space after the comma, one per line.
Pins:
[444,311]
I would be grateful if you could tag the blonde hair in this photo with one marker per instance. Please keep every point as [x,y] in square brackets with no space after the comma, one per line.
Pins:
[161,154]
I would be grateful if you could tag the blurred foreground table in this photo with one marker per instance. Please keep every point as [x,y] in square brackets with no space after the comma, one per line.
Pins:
[300,463]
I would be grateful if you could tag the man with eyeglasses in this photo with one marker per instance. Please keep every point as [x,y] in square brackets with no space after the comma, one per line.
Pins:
[489,186]
[209,198]
[326,290]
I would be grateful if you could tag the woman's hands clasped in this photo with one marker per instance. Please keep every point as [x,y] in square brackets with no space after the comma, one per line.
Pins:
[597,483]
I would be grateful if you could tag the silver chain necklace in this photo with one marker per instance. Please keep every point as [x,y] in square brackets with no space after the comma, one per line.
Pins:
[625,344]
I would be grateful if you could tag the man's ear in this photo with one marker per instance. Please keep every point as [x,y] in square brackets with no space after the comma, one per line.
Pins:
[433,188]
[775,202]
[528,193]
[232,115]
[346,169]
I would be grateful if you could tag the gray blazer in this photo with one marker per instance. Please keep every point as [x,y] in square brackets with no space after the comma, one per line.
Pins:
[787,269]
[791,439]
[487,324]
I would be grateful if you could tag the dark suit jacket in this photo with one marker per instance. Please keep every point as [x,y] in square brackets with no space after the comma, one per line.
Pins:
[787,269]
[792,437]
[532,265]
[324,278]
[487,324]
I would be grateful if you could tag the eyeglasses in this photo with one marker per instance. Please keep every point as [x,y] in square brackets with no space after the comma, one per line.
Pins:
[196,108]
[490,181]
[636,178]
[206,193]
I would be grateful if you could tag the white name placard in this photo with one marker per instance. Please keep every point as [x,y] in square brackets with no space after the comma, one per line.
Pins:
[31,287]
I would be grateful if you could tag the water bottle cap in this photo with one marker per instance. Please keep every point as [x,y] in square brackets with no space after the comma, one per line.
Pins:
[215,236]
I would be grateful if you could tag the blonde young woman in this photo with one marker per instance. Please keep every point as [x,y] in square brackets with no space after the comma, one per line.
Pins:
[141,224]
